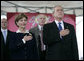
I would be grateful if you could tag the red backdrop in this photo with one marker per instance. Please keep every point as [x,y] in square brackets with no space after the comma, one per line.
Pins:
[31,20]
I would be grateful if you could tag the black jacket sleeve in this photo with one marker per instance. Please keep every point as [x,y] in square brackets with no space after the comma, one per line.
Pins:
[74,44]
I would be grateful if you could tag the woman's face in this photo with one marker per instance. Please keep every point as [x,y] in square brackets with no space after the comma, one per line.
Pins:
[22,22]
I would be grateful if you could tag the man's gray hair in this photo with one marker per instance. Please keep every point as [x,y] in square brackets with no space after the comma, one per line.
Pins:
[55,7]
[3,17]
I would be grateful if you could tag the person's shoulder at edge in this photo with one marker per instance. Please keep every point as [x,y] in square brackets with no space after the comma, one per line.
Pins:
[48,24]
[32,29]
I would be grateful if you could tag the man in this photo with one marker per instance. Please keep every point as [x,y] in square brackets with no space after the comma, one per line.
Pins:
[60,38]
[4,38]
[41,20]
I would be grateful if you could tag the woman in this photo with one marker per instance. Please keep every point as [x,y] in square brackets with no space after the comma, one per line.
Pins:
[23,44]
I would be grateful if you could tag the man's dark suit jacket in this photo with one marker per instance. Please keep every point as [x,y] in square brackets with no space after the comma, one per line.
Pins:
[36,32]
[4,47]
[57,48]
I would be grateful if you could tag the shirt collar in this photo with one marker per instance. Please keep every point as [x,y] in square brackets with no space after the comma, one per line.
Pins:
[3,30]
[58,22]
[18,31]
[39,27]
[62,24]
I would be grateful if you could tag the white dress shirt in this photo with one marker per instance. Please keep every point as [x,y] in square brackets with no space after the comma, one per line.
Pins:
[62,24]
[2,30]
[18,31]
[40,36]
[39,27]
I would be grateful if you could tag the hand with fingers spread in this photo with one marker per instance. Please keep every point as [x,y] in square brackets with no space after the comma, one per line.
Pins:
[64,32]
[27,38]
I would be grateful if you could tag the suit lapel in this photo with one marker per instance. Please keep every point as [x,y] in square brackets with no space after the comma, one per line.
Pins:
[2,35]
[7,37]
[2,39]
[65,26]
[37,30]
[55,27]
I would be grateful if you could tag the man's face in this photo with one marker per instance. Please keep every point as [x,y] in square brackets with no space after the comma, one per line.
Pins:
[42,20]
[4,23]
[58,12]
